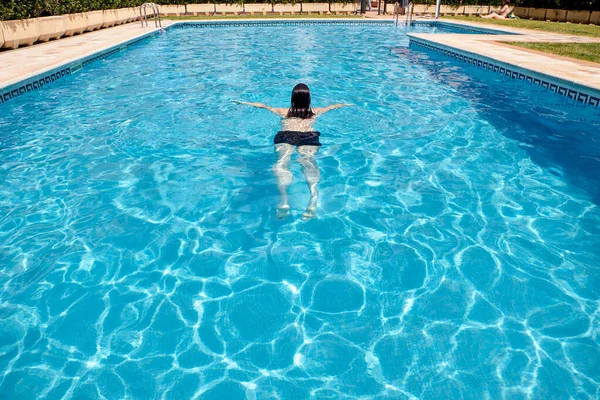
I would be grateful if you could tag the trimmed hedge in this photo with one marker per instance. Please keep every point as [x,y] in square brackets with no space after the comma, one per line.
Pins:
[18,9]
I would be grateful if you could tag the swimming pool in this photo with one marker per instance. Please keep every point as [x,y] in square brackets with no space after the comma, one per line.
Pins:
[455,253]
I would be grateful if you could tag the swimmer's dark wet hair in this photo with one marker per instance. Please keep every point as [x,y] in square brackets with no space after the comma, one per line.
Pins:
[300,107]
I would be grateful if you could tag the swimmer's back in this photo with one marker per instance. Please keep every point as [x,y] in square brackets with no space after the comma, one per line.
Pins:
[297,124]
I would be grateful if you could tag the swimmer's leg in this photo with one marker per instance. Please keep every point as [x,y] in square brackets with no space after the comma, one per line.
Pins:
[310,169]
[281,169]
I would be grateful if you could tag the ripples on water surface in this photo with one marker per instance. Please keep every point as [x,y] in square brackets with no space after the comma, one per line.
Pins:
[455,254]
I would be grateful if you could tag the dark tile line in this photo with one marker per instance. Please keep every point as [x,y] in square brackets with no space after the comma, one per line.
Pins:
[573,94]
[38,82]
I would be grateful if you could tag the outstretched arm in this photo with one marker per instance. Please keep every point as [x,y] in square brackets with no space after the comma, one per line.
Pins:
[321,111]
[278,111]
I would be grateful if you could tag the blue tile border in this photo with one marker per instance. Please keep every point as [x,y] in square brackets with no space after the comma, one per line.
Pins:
[561,89]
[347,22]
[214,24]
[34,84]
[37,82]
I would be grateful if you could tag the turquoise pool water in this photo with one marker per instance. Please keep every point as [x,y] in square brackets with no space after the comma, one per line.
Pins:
[455,253]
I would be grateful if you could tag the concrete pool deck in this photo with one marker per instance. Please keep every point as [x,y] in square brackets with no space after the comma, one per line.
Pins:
[23,63]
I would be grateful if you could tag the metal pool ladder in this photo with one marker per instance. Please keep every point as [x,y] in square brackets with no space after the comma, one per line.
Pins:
[155,11]
[409,12]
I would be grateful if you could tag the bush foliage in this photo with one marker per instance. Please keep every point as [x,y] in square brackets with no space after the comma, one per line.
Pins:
[17,9]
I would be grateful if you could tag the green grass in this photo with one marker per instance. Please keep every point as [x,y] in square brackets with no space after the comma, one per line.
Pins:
[547,26]
[581,51]
[248,16]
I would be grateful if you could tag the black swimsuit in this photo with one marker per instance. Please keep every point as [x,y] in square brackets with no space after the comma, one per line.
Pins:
[298,138]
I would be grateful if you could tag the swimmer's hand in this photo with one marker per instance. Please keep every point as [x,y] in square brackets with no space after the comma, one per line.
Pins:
[279,111]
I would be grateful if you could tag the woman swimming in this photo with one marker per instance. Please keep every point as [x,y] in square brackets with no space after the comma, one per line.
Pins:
[297,130]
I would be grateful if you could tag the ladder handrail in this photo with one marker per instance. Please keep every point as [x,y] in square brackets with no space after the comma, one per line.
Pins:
[409,13]
[155,11]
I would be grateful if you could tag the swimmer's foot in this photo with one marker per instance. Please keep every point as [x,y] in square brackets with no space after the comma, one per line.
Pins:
[310,213]
[283,212]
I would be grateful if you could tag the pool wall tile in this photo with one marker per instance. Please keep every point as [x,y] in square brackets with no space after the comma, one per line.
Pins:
[567,89]
[39,81]
[216,24]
